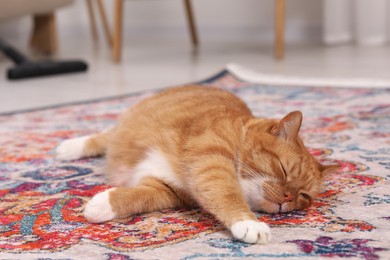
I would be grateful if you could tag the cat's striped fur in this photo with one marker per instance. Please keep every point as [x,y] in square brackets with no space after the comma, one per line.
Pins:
[201,146]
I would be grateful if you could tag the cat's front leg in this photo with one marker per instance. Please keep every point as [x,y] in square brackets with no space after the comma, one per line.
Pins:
[218,191]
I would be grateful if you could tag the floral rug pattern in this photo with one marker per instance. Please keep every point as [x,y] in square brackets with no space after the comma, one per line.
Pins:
[41,199]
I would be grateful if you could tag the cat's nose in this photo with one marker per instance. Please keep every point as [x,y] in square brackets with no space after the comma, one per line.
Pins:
[288,197]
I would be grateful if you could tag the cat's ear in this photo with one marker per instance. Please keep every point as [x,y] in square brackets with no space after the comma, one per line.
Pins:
[288,127]
[328,169]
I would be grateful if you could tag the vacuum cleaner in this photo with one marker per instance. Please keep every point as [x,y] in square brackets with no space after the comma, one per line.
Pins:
[24,68]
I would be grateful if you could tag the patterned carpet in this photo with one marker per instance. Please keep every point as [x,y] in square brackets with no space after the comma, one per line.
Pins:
[41,199]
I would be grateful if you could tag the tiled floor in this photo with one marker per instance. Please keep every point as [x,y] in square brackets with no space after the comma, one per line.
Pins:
[155,63]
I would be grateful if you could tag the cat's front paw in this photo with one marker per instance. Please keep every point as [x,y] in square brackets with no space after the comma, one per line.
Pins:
[99,209]
[71,149]
[251,231]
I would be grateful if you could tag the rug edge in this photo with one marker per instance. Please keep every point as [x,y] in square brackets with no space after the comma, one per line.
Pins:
[241,73]
[248,75]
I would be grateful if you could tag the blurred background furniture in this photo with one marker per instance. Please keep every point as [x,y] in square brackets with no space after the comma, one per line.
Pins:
[114,39]
[118,25]
[92,18]
[43,36]
[280,7]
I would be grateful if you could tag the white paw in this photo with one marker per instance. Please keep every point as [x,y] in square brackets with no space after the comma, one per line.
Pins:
[251,231]
[71,149]
[98,209]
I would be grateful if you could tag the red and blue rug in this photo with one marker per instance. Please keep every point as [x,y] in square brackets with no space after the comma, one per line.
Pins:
[41,199]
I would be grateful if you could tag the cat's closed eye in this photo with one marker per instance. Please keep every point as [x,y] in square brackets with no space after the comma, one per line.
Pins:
[305,196]
[283,170]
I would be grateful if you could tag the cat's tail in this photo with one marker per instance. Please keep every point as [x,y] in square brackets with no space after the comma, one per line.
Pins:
[85,146]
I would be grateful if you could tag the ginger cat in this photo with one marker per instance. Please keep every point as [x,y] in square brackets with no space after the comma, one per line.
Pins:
[201,146]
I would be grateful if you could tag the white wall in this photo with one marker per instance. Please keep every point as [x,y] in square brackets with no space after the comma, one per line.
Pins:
[215,18]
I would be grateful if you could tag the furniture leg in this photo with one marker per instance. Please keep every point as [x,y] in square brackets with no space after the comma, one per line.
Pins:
[280,6]
[105,22]
[92,20]
[117,33]
[44,33]
[191,22]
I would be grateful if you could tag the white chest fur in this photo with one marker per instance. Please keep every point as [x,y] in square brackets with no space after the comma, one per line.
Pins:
[252,192]
[155,165]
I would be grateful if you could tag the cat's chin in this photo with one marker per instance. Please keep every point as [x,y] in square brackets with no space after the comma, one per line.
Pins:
[285,208]
[266,206]
[272,207]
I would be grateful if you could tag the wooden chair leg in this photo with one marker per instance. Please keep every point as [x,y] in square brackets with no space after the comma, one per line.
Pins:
[117,34]
[280,6]
[44,33]
[191,22]
[92,21]
[105,22]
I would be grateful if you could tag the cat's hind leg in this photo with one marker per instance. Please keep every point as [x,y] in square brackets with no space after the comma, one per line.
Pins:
[150,195]
[84,146]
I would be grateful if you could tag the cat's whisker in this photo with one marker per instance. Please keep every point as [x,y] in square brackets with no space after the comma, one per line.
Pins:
[256,175]
[263,181]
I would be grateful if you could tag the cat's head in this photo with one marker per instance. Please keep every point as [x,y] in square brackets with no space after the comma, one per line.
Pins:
[277,173]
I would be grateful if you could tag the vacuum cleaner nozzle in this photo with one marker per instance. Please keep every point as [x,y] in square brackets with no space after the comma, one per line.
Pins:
[45,68]
[26,69]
